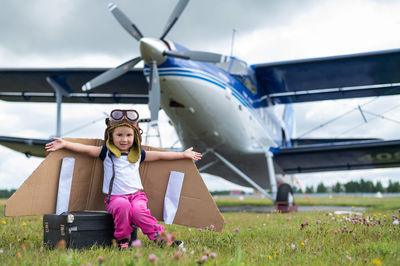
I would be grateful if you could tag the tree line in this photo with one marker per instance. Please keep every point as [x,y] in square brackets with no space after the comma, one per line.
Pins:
[356,187]
[5,194]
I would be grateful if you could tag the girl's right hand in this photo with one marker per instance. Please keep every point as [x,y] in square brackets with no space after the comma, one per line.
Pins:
[55,145]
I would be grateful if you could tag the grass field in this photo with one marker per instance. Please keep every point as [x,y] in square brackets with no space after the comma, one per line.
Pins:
[385,203]
[312,238]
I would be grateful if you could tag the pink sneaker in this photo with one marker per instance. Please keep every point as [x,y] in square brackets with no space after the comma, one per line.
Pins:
[123,244]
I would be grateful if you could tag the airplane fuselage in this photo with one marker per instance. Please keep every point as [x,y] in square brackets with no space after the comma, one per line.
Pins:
[211,108]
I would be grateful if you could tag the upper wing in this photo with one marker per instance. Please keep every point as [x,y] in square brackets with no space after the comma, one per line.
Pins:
[31,85]
[347,76]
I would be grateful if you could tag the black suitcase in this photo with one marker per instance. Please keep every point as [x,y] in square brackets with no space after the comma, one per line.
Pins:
[80,229]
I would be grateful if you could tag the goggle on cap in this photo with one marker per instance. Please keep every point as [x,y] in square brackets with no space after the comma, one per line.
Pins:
[127,118]
[118,116]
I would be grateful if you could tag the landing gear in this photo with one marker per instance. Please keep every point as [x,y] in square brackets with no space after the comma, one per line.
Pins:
[153,132]
[241,174]
[271,174]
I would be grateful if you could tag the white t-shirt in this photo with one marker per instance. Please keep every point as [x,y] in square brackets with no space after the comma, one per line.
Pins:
[127,178]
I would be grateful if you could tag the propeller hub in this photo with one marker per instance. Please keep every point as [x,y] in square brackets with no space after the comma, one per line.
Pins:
[152,50]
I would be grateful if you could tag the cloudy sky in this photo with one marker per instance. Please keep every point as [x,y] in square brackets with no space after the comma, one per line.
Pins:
[83,33]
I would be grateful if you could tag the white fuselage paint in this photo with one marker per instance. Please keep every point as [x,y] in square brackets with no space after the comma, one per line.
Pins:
[214,117]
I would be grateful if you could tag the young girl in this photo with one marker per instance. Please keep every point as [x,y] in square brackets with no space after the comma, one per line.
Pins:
[121,157]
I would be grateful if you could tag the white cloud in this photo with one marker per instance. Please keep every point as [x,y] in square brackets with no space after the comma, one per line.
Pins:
[15,168]
[327,29]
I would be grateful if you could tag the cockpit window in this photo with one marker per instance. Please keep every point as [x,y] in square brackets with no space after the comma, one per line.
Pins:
[240,70]
[224,65]
[245,75]
[247,82]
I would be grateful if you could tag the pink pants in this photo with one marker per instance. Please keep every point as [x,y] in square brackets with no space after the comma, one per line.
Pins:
[132,208]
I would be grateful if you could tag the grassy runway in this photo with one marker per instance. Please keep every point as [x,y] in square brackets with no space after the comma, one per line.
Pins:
[312,238]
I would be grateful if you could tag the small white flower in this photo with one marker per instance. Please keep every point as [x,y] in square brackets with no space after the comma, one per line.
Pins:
[396,222]
[293,246]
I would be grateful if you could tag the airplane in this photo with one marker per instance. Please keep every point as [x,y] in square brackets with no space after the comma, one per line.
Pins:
[222,106]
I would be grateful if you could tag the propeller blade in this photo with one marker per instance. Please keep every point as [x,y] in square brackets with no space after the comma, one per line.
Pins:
[125,22]
[154,92]
[174,17]
[111,74]
[198,56]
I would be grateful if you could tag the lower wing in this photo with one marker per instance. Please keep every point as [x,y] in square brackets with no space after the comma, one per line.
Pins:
[353,155]
[28,146]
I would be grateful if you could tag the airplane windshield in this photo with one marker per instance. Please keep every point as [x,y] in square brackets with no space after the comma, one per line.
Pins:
[241,72]
[224,65]
[238,68]
[247,82]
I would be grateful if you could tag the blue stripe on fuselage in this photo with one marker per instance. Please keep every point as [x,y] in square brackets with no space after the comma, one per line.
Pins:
[203,76]
[235,86]
[212,71]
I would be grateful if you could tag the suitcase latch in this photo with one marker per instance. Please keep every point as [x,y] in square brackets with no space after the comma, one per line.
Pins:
[62,229]
[73,229]
[70,218]
[46,227]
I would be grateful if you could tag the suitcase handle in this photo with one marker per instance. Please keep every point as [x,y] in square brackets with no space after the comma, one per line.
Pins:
[46,227]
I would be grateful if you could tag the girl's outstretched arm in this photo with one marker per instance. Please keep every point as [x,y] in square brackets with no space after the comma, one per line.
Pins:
[171,155]
[59,143]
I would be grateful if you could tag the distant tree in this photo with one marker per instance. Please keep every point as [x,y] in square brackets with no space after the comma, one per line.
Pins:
[5,194]
[362,185]
[368,187]
[321,188]
[337,188]
[390,187]
[310,189]
[378,187]
[393,187]
[352,187]
[221,192]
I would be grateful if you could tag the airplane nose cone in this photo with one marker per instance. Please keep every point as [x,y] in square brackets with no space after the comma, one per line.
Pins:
[152,50]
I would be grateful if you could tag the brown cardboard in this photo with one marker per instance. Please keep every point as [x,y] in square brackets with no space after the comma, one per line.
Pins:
[38,194]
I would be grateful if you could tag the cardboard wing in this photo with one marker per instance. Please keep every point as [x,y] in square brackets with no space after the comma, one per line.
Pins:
[38,194]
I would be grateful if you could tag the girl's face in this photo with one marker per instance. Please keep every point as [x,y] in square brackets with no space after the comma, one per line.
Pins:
[123,138]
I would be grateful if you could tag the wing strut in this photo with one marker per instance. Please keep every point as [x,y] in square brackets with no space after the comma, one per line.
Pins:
[60,92]
[243,175]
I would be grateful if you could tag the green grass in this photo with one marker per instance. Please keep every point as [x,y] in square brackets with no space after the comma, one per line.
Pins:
[385,203]
[247,239]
